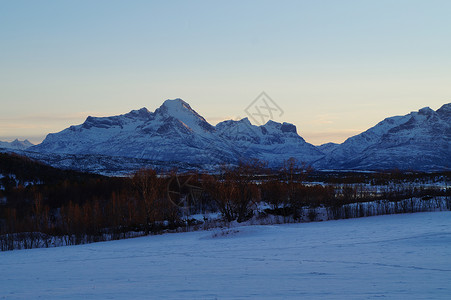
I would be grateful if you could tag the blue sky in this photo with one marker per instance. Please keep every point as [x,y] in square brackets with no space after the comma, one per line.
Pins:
[336,68]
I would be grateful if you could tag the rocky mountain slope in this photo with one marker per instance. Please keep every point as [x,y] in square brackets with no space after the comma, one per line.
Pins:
[419,140]
[176,133]
[177,136]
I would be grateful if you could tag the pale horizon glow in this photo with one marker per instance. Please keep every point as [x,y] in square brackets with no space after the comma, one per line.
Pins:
[336,68]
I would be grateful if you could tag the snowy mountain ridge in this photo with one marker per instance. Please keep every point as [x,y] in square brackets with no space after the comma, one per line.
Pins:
[419,140]
[176,134]
[16,145]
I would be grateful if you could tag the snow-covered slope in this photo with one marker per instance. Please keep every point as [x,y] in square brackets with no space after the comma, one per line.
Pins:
[390,257]
[16,144]
[176,133]
[273,142]
[328,147]
[420,140]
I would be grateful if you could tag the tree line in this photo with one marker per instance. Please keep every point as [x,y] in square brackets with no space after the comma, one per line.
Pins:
[73,208]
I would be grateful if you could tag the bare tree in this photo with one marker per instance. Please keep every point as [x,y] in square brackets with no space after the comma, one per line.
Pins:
[235,191]
[149,188]
[294,173]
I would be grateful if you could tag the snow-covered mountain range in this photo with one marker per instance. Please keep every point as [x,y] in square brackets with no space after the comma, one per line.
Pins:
[419,141]
[176,135]
[16,144]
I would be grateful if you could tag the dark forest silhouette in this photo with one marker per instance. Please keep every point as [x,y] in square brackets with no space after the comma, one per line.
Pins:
[41,206]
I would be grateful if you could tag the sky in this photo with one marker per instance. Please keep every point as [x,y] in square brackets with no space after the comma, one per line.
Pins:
[334,68]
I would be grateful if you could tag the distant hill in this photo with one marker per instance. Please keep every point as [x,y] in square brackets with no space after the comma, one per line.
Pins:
[16,144]
[26,170]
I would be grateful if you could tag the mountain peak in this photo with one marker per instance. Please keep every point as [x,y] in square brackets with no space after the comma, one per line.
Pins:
[237,125]
[283,127]
[143,112]
[446,106]
[182,111]
[426,111]
[288,127]
[16,144]
[176,104]
[445,109]
[243,121]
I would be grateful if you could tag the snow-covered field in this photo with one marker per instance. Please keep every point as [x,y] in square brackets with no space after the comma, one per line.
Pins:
[393,257]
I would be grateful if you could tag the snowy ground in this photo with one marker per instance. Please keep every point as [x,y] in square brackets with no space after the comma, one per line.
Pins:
[392,257]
